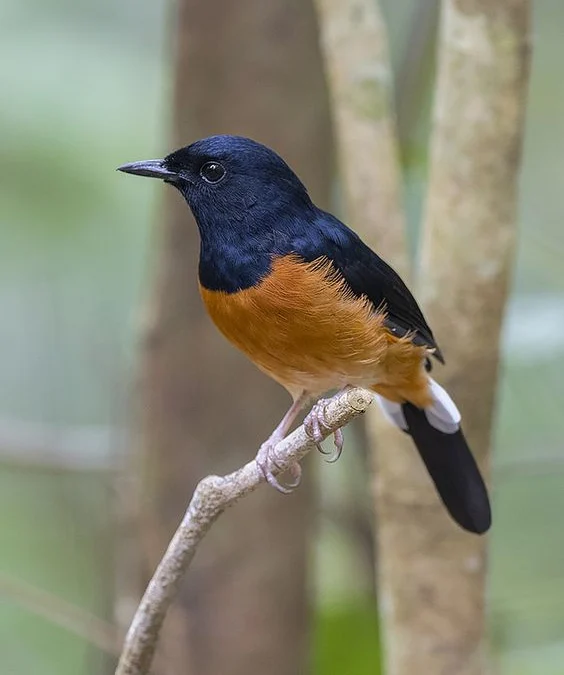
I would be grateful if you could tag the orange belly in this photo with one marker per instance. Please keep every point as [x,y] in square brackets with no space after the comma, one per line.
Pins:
[305,328]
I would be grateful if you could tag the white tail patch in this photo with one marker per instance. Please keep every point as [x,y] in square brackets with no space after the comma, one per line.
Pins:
[442,413]
[392,412]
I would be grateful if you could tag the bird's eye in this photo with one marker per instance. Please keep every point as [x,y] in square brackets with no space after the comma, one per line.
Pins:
[212,172]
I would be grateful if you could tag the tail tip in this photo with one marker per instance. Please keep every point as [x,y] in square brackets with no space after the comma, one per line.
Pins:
[479,523]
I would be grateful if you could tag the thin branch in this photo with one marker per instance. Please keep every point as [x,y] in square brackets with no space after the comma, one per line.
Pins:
[213,495]
[76,620]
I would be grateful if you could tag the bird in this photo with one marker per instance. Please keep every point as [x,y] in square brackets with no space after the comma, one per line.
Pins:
[316,309]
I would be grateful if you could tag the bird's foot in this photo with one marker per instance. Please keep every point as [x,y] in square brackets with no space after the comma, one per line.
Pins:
[266,461]
[315,421]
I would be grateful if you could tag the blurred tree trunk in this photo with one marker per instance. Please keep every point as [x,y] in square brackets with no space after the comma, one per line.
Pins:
[359,73]
[431,575]
[250,68]
[355,47]
[415,74]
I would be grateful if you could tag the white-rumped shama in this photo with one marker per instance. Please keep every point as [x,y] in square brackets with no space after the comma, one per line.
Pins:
[316,309]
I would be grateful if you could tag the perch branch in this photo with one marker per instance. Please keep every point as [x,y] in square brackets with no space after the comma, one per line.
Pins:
[213,495]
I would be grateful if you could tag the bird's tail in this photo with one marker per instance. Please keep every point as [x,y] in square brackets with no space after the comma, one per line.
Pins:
[438,437]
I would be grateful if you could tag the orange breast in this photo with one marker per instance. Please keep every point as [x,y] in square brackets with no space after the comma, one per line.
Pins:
[304,327]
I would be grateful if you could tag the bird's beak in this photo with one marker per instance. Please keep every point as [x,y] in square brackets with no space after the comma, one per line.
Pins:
[153,168]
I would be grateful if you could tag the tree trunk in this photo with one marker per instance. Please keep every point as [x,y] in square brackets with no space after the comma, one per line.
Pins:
[250,68]
[360,80]
[432,574]
[355,45]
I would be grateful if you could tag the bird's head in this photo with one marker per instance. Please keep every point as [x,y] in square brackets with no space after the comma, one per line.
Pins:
[227,178]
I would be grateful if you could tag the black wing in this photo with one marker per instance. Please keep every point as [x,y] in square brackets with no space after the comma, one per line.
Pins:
[367,274]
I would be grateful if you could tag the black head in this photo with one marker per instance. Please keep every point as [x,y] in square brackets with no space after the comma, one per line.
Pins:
[248,203]
[224,177]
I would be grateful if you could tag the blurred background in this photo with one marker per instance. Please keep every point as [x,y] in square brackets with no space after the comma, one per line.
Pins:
[88,86]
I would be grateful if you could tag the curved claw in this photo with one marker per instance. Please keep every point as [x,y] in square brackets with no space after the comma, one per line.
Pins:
[315,419]
[313,423]
[274,482]
[265,461]
[339,441]
[295,471]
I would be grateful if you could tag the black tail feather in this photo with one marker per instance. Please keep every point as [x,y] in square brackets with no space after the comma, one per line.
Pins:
[453,469]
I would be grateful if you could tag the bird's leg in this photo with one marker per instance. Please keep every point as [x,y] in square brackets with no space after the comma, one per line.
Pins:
[266,457]
[314,422]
